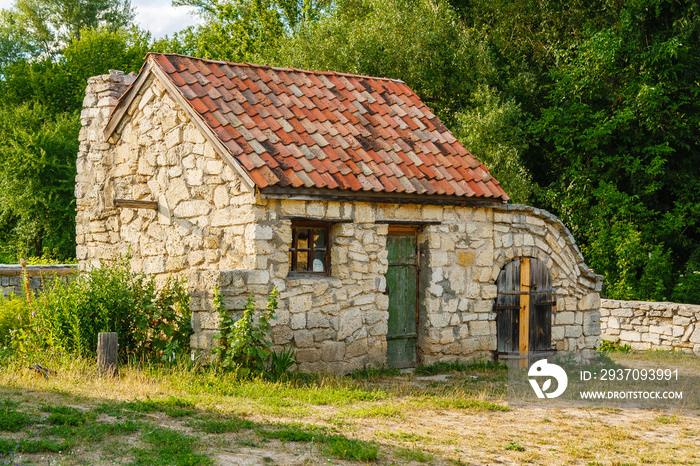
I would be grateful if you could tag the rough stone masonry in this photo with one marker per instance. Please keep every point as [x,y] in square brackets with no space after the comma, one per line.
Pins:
[213,228]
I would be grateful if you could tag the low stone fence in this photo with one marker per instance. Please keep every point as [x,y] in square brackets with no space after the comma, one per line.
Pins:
[12,281]
[651,325]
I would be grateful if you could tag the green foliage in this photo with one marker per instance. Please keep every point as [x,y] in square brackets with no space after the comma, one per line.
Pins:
[37,173]
[687,288]
[169,447]
[420,42]
[373,373]
[514,446]
[621,164]
[493,130]
[231,424]
[66,416]
[243,343]
[43,27]
[12,420]
[609,345]
[280,362]
[337,446]
[415,454]
[15,314]
[151,323]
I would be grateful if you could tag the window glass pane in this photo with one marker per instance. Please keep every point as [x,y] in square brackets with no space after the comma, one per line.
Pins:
[303,238]
[319,239]
[302,261]
[290,261]
[318,265]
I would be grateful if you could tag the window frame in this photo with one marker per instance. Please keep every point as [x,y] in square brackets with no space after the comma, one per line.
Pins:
[294,249]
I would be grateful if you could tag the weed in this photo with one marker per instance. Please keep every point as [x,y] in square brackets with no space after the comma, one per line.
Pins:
[66,415]
[373,373]
[673,419]
[213,426]
[337,446]
[378,411]
[514,446]
[471,404]
[68,317]
[12,420]
[403,436]
[455,366]
[415,455]
[609,345]
[169,447]
[8,445]
[243,345]
[440,368]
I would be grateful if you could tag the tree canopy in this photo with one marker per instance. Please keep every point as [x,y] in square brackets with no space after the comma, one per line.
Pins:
[586,108]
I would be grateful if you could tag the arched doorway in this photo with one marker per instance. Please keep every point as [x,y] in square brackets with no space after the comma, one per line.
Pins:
[524,307]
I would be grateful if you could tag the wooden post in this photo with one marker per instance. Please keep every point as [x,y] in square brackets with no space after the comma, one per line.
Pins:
[107,354]
[524,334]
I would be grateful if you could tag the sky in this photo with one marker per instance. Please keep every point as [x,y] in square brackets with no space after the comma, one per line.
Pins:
[157,16]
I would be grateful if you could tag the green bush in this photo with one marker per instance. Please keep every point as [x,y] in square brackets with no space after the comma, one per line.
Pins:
[152,324]
[14,314]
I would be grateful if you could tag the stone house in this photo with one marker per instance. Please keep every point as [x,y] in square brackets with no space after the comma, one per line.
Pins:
[388,241]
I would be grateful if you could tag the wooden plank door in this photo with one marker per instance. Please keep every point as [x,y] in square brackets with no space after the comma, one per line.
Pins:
[524,307]
[401,282]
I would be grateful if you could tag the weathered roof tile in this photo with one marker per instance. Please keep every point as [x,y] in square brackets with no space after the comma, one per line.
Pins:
[302,129]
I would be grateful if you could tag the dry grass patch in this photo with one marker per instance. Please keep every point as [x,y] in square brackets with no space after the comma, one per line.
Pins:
[382,418]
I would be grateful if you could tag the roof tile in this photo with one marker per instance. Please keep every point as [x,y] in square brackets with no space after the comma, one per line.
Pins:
[330,130]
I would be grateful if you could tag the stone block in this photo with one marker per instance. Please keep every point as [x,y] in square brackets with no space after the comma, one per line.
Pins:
[590,301]
[558,333]
[297,321]
[564,318]
[622,312]
[332,351]
[307,355]
[303,338]
[350,321]
[591,323]
[479,327]
[630,336]
[317,320]
[695,336]
[357,348]
[663,329]
[364,213]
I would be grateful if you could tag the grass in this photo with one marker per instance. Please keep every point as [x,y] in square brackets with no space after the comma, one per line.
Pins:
[188,415]
[170,447]
[415,455]
[12,420]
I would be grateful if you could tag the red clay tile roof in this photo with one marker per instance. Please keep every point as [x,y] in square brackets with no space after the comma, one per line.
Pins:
[311,129]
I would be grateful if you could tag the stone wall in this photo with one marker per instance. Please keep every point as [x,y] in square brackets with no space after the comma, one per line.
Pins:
[340,322]
[40,277]
[651,325]
[218,232]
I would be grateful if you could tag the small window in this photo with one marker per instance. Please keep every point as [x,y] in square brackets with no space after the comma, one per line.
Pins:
[311,250]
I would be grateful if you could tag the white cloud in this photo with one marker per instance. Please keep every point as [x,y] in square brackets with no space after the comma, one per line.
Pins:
[161,18]
[157,16]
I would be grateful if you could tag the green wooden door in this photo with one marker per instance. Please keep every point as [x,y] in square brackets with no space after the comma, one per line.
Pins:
[401,279]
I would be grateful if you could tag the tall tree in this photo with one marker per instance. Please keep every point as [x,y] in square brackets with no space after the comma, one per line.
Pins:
[618,148]
[37,173]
